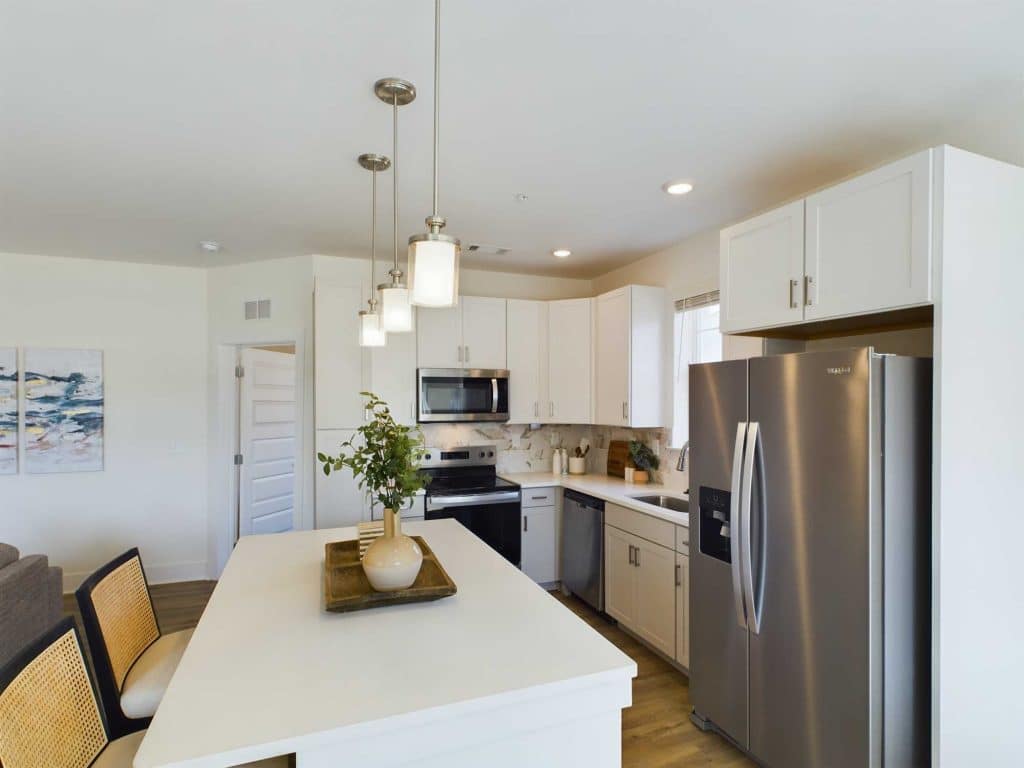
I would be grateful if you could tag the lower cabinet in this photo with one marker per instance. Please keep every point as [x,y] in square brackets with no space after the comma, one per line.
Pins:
[540,534]
[640,590]
[682,655]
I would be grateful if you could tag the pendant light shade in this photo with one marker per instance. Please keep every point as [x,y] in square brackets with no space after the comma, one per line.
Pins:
[395,308]
[433,256]
[371,329]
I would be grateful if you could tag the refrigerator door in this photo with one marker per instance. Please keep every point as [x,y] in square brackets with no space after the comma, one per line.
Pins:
[718,641]
[811,560]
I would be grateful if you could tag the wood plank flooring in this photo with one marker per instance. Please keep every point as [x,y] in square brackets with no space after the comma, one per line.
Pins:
[656,731]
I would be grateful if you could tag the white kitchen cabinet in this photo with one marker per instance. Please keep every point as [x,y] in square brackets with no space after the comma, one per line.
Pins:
[629,354]
[483,332]
[340,363]
[527,334]
[682,654]
[393,374]
[570,372]
[470,335]
[339,500]
[868,241]
[762,270]
[540,543]
[439,337]
[619,576]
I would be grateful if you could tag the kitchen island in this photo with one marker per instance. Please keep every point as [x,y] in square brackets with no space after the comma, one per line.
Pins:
[501,674]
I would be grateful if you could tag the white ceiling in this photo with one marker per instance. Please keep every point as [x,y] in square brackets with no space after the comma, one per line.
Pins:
[134,130]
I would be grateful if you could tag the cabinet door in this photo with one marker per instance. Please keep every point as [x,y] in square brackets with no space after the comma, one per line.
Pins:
[339,500]
[656,596]
[570,376]
[393,375]
[527,361]
[869,241]
[539,551]
[439,338]
[338,358]
[762,270]
[483,332]
[683,610]
[619,576]
[612,329]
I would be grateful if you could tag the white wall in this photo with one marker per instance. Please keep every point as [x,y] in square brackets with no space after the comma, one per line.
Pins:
[150,322]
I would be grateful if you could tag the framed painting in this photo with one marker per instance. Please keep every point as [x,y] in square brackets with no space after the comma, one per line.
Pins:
[8,411]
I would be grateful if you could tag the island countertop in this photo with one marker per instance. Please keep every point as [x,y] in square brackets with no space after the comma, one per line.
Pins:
[269,672]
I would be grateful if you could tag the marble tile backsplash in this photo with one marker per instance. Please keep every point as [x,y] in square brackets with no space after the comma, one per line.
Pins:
[522,448]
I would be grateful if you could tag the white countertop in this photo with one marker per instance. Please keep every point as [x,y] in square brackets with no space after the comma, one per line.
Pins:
[606,487]
[268,671]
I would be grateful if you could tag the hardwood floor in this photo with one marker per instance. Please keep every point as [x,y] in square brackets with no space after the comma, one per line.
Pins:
[656,730]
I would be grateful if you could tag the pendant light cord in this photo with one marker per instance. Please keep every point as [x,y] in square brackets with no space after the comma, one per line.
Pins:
[394,179]
[373,238]
[437,88]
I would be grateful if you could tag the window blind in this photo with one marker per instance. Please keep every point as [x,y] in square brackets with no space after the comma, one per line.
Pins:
[700,300]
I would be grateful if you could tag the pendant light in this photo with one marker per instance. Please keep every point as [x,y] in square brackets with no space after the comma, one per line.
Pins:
[371,331]
[434,256]
[395,306]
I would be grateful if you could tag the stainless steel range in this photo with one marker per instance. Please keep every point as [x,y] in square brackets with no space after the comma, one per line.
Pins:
[464,485]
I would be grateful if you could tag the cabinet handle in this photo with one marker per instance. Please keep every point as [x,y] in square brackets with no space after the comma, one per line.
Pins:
[526,526]
[625,410]
[636,557]
[460,352]
[538,498]
[551,408]
[630,554]
[679,581]
[792,294]
[536,409]
[808,287]
[467,353]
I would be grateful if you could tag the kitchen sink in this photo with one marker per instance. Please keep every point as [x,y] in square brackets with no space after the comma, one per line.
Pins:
[665,502]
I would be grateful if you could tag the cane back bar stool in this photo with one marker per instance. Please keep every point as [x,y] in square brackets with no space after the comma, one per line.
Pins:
[50,716]
[133,660]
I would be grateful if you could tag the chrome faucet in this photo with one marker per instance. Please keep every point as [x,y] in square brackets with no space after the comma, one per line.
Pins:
[683,453]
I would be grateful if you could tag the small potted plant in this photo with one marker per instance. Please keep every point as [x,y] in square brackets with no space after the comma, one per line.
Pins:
[385,456]
[644,459]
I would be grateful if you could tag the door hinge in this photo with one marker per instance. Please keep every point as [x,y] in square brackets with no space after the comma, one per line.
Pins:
[238,459]
[239,371]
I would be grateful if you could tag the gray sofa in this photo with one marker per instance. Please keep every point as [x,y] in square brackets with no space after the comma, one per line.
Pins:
[30,599]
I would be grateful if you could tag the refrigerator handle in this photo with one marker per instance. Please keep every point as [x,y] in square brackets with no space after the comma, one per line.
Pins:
[747,528]
[735,524]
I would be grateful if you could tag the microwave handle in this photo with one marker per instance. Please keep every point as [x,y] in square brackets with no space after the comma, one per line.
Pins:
[494,395]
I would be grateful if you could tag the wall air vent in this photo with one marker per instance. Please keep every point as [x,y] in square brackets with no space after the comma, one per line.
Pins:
[257,310]
[490,250]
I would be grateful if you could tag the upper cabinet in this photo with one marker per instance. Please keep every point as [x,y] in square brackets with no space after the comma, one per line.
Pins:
[860,247]
[527,361]
[339,360]
[470,335]
[570,372]
[629,350]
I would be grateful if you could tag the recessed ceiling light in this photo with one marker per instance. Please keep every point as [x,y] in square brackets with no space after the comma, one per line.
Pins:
[210,246]
[561,253]
[677,187]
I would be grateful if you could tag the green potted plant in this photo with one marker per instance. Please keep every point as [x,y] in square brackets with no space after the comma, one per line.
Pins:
[644,459]
[384,457]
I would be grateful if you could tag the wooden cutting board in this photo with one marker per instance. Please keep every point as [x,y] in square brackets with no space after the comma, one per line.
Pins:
[618,457]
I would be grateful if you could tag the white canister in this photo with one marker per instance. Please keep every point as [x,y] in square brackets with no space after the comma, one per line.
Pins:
[629,474]
[556,462]
[577,465]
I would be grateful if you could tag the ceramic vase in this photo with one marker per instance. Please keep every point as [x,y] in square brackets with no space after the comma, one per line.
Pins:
[393,561]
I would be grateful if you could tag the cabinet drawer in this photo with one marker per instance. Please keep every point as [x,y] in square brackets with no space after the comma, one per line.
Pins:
[539,497]
[646,527]
[682,539]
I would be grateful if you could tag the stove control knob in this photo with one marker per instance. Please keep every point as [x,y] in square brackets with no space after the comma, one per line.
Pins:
[490,454]
[481,454]
[427,457]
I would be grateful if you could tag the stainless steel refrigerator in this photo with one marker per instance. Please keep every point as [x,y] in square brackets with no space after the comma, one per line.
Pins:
[809,587]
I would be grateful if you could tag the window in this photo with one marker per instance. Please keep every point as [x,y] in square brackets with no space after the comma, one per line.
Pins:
[697,340]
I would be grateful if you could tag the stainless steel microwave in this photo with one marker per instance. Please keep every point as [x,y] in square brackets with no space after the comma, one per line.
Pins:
[462,394]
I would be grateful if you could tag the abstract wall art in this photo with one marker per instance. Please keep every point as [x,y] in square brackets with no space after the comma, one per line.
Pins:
[8,411]
[63,410]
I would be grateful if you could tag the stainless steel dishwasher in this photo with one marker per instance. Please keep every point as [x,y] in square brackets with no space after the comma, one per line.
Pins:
[583,547]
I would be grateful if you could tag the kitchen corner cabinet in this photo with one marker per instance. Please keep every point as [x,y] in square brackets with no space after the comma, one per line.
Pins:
[339,499]
[528,361]
[540,534]
[393,374]
[470,335]
[629,350]
[570,372]
[339,361]
[682,654]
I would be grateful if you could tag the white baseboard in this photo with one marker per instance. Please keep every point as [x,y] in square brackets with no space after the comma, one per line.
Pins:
[158,573]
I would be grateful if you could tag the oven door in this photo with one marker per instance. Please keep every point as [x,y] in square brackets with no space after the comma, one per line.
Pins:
[457,394]
[496,518]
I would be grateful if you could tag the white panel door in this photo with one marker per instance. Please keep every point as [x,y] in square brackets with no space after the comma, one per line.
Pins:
[683,609]
[393,375]
[619,576]
[612,329]
[527,336]
[539,544]
[483,332]
[656,595]
[762,270]
[338,358]
[439,337]
[570,375]
[869,241]
[339,500]
[267,442]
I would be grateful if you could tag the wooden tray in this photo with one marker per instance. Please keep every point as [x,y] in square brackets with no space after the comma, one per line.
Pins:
[346,587]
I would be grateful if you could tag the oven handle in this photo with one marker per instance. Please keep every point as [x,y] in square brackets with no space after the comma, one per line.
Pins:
[494,395]
[444,502]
